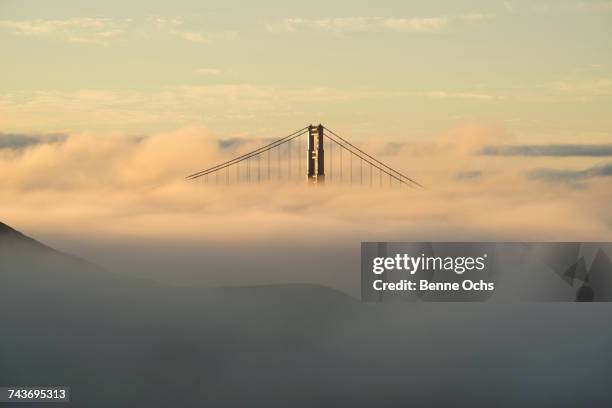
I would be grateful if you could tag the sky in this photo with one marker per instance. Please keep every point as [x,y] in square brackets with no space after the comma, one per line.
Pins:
[501,109]
[400,69]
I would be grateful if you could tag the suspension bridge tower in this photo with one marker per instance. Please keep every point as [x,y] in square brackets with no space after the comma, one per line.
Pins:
[316,155]
[273,162]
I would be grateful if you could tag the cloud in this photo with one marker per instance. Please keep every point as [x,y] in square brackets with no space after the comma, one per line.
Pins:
[89,30]
[459,95]
[58,110]
[600,5]
[178,27]
[102,31]
[372,24]
[584,89]
[116,185]
[469,175]
[555,150]
[193,36]
[571,176]
[172,106]
[208,71]
[21,141]
[55,109]
[234,142]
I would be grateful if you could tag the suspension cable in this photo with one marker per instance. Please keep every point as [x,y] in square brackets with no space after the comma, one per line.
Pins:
[369,162]
[377,161]
[247,155]
[244,156]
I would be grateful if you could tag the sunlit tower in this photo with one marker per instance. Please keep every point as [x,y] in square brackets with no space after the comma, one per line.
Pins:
[316,155]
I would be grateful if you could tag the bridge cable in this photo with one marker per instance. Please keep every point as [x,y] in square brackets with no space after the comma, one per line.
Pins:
[244,156]
[367,161]
[377,161]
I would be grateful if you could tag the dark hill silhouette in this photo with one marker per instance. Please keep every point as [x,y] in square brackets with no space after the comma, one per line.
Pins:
[30,265]
[67,315]
[126,342]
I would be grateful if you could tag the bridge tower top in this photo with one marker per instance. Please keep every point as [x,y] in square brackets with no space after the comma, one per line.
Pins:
[315,155]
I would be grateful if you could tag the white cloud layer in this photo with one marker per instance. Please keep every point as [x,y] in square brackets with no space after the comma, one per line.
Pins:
[102,31]
[208,71]
[116,185]
[98,31]
[178,28]
[373,24]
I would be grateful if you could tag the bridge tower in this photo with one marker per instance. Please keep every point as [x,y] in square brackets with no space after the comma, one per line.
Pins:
[315,161]
[316,156]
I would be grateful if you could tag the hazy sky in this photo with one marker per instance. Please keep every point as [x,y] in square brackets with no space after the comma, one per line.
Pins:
[542,70]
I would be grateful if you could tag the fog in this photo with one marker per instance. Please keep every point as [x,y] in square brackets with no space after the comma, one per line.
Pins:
[122,202]
[132,342]
[290,332]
